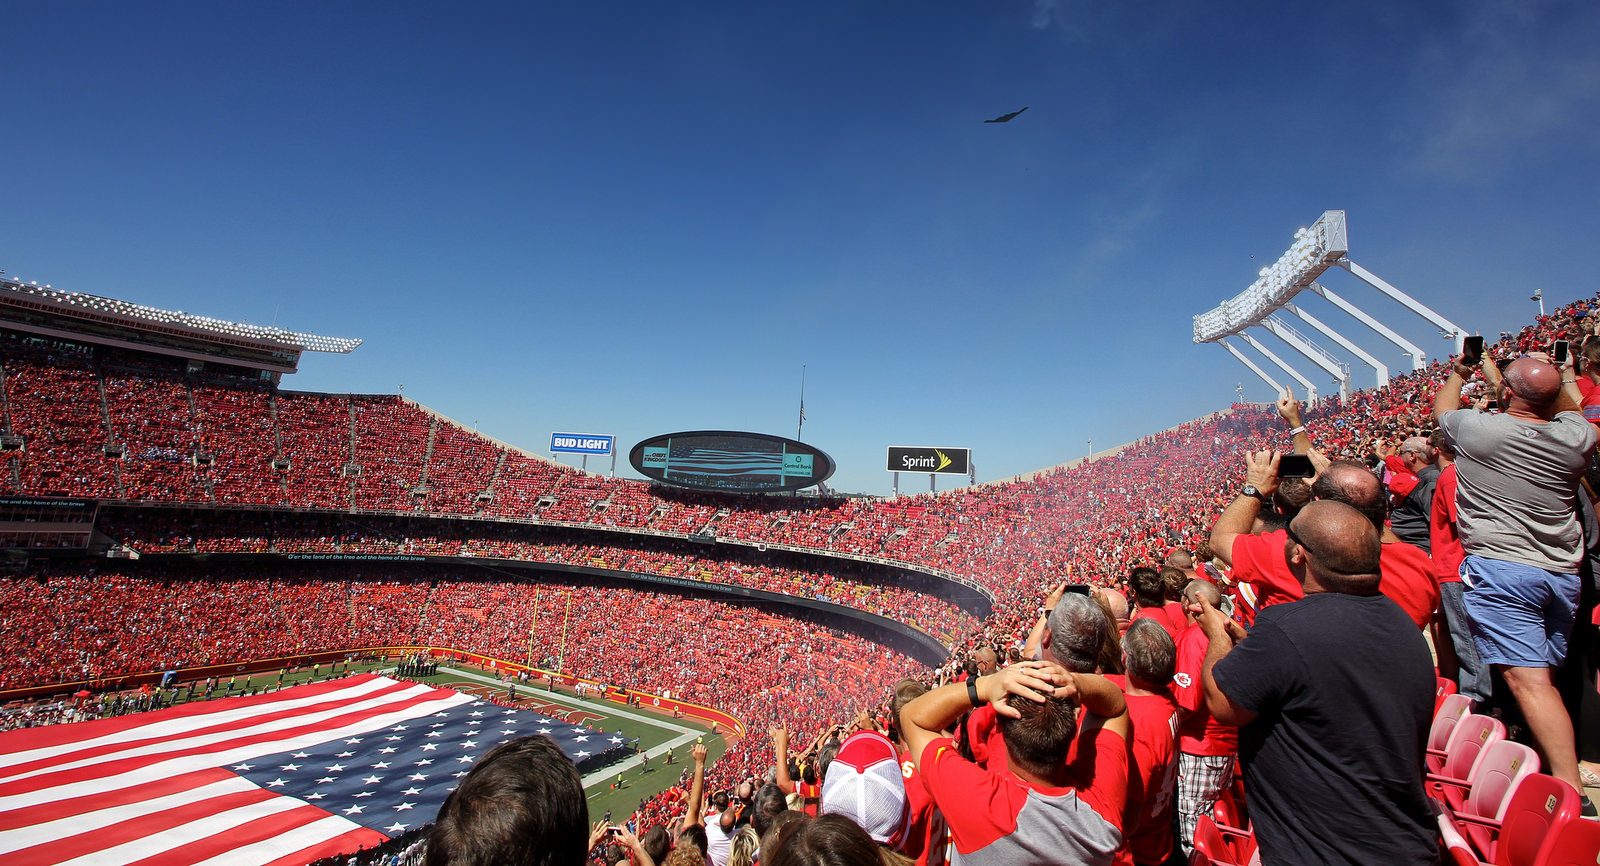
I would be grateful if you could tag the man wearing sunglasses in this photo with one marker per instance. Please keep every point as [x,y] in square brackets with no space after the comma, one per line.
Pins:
[1259,559]
[1333,696]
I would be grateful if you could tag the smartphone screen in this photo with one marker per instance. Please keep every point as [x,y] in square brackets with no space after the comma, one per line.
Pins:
[1079,588]
[1558,352]
[1472,351]
[1295,466]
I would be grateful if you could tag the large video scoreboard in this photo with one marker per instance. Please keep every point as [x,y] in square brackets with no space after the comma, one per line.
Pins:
[729,461]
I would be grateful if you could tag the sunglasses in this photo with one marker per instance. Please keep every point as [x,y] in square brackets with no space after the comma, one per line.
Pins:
[1297,540]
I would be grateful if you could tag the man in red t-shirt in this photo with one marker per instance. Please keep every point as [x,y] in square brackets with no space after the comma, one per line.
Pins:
[1408,576]
[1149,655]
[1472,679]
[1042,809]
[1149,590]
[926,836]
[1207,749]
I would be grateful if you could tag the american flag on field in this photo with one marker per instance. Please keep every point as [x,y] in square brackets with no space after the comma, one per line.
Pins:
[280,778]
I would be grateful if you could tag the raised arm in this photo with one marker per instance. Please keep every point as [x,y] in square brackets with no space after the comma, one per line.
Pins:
[1032,649]
[1100,697]
[697,786]
[1261,472]
[1289,411]
[1449,397]
[1223,633]
[923,720]
[780,750]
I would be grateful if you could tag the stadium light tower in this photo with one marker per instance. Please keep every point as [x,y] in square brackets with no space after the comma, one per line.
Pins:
[1322,245]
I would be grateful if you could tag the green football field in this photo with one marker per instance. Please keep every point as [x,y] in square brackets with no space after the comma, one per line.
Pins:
[656,731]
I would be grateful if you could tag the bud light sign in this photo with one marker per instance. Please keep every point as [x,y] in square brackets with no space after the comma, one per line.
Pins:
[581,443]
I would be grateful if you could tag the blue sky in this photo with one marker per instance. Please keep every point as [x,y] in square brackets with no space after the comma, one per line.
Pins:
[642,218]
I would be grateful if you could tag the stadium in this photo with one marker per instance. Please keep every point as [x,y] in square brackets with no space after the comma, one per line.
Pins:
[262,604]
[175,517]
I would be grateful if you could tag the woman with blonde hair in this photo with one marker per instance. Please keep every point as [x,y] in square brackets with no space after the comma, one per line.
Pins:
[742,848]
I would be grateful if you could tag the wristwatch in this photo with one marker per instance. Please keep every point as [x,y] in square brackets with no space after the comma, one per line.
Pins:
[1250,490]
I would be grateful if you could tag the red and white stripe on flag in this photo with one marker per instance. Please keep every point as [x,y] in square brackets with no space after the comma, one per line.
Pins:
[155,787]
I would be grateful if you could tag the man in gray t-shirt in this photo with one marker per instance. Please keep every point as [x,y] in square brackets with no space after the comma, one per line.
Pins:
[1518,473]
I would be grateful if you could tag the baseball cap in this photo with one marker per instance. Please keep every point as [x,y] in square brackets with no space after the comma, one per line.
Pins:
[865,784]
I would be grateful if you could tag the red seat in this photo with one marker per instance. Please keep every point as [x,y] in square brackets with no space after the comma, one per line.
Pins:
[1229,812]
[1451,710]
[1575,843]
[1443,689]
[1471,736]
[1223,846]
[1498,772]
[1458,851]
[1536,816]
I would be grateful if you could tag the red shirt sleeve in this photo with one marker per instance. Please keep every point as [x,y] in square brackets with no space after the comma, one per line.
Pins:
[1259,560]
[1105,765]
[979,806]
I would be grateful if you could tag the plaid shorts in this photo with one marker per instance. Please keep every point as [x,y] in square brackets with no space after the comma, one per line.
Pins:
[1200,779]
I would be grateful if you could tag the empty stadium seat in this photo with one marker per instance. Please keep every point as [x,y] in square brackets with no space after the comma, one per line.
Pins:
[1444,689]
[1498,772]
[1223,845]
[1534,819]
[1575,843]
[1471,736]
[1451,710]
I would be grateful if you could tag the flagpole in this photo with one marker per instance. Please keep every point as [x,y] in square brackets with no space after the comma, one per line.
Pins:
[533,626]
[561,664]
[802,423]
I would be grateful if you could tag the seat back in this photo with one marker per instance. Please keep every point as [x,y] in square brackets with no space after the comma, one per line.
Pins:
[1576,843]
[1450,713]
[1443,687]
[1472,735]
[1457,852]
[1539,810]
[1209,841]
[1497,774]
[1228,813]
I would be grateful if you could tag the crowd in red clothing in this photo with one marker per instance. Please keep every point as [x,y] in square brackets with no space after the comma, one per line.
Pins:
[909,598]
[182,438]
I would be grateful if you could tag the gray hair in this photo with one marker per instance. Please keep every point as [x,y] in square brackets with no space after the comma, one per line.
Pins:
[1151,652]
[1078,628]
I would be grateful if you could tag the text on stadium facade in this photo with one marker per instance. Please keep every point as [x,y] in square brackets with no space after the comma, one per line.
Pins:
[581,443]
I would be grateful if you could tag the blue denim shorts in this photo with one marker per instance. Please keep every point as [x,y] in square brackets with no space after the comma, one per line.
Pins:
[1521,615]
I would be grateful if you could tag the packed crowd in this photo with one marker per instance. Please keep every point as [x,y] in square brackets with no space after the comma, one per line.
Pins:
[1275,621]
[908,597]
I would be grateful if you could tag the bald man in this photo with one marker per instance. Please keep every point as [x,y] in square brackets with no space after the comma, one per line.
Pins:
[1333,694]
[1260,559]
[1517,473]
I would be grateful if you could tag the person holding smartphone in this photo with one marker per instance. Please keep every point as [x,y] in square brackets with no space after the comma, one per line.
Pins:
[1517,513]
